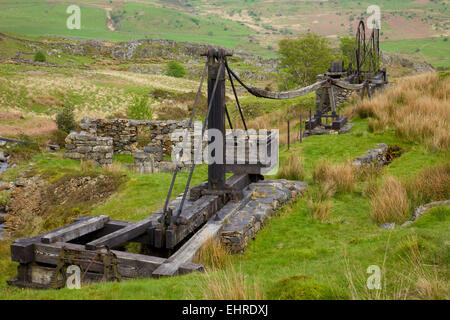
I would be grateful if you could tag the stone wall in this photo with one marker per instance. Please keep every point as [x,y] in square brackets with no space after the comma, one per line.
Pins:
[86,146]
[124,132]
[267,197]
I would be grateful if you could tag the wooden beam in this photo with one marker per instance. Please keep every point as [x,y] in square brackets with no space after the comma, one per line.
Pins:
[22,249]
[173,265]
[130,265]
[75,230]
[123,235]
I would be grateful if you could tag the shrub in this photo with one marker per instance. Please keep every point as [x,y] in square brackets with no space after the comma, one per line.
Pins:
[59,137]
[140,109]
[65,119]
[390,203]
[292,168]
[39,56]
[175,69]
[300,288]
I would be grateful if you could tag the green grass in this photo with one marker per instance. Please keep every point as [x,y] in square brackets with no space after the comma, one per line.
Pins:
[291,244]
[436,51]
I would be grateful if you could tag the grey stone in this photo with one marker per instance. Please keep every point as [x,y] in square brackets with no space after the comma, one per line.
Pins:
[388,226]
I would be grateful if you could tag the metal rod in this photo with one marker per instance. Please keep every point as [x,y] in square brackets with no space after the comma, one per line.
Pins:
[228,117]
[235,95]
[191,119]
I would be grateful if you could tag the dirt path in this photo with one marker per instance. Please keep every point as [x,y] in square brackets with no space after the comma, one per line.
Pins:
[109,22]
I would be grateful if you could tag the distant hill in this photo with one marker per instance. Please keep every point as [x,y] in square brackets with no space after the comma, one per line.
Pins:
[414,27]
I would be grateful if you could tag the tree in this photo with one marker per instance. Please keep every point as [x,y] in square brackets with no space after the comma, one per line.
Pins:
[39,56]
[303,59]
[65,119]
[140,109]
[175,69]
[347,46]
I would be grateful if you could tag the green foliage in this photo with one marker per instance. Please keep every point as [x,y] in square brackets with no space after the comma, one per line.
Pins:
[39,56]
[140,109]
[303,59]
[175,69]
[300,288]
[65,119]
[347,46]
[59,137]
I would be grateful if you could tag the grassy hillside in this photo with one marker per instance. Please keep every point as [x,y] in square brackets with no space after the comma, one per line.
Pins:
[254,25]
[435,51]
[297,255]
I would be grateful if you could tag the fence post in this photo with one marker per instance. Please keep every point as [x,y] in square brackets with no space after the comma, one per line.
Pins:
[288,135]
[301,136]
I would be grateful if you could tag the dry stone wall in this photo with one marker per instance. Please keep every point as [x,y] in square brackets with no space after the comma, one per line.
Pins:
[86,146]
[124,132]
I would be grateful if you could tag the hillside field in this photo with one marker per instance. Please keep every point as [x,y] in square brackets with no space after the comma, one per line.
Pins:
[253,25]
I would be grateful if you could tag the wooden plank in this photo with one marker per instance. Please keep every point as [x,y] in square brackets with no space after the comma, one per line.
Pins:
[75,230]
[123,235]
[22,249]
[211,229]
[130,265]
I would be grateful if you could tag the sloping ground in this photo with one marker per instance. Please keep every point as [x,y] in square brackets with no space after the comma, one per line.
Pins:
[296,255]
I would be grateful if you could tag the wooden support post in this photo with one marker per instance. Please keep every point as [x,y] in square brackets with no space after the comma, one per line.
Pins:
[216,119]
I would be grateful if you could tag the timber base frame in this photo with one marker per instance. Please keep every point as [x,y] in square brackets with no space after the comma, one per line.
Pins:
[96,244]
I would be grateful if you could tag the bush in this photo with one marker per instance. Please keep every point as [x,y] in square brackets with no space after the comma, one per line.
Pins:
[140,109]
[175,69]
[65,119]
[390,203]
[292,168]
[59,137]
[39,56]
[300,288]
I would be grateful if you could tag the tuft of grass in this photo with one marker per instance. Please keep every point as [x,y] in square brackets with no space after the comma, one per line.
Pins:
[342,176]
[417,107]
[390,203]
[432,184]
[320,210]
[230,285]
[292,168]
[300,288]
[213,255]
